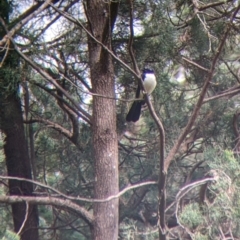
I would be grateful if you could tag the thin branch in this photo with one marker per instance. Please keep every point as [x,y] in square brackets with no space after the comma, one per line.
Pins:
[231,71]
[195,64]
[186,189]
[56,18]
[224,94]
[211,5]
[97,95]
[68,134]
[50,201]
[51,80]
[25,218]
[81,198]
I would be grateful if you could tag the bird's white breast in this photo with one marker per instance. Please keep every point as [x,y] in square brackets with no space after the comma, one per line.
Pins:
[149,82]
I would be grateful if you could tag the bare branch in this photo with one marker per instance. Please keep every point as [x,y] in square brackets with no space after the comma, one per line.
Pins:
[46,76]
[211,5]
[68,134]
[50,201]
[187,188]
[25,219]
[50,79]
[231,71]
[195,64]
[230,92]
[80,198]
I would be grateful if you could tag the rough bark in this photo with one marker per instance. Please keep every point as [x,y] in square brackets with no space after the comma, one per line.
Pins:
[18,164]
[25,217]
[101,16]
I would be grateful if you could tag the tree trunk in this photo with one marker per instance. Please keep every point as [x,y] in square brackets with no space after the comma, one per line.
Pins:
[105,144]
[18,165]
[15,147]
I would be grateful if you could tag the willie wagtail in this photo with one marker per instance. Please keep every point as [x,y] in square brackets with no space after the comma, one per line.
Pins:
[149,82]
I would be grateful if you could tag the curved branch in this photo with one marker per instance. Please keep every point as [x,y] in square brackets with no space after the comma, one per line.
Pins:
[126,189]
[63,203]
[68,134]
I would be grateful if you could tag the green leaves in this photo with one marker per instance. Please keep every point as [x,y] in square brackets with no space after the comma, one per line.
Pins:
[191,216]
[9,235]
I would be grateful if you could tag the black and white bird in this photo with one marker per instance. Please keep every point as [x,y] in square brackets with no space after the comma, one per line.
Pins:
[149,82]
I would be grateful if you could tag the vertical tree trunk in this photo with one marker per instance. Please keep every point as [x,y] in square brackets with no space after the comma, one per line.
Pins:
[15,147]
[105,144]
[18,165]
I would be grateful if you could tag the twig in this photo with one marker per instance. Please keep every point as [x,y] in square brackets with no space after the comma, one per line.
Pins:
[224,94]
[195,64]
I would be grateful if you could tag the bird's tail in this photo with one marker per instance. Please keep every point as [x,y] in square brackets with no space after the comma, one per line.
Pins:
[135,111]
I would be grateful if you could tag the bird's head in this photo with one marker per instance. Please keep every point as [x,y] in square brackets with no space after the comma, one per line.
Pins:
[148,70]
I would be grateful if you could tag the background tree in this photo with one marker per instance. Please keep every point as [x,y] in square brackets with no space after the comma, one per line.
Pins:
[25,216]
